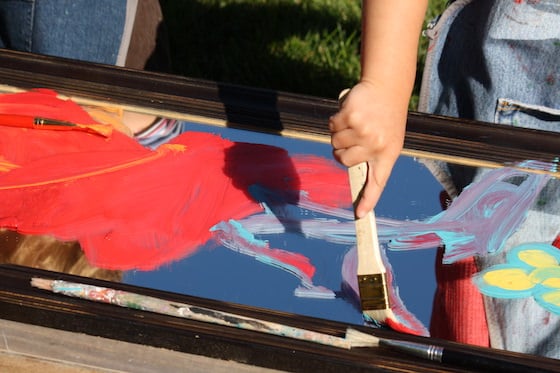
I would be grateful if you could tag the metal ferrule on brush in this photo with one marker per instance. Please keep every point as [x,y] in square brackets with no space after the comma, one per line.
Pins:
[424,351]
[373,293]
[43,122]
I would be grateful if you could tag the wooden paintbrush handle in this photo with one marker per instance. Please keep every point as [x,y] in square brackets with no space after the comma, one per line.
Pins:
[369,254]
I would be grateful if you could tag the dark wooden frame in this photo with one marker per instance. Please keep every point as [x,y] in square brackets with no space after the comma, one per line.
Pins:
[270,111]
[257,110]
[22,303]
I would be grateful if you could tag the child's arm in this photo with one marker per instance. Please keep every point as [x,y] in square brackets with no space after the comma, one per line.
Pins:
[370,125]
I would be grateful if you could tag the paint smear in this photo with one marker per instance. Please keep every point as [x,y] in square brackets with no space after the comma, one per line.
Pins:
[479,220]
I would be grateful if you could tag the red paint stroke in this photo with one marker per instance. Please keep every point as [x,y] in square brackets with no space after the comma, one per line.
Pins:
[228,234]
[131,207]
[402,328]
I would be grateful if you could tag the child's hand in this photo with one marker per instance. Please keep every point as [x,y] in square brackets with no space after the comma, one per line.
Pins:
[370,127]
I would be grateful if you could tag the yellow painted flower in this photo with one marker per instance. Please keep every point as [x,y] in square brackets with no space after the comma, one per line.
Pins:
[514,279]
[537,258]
[531,270]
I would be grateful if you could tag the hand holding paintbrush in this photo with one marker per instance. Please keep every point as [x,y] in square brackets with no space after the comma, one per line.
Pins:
[372,274]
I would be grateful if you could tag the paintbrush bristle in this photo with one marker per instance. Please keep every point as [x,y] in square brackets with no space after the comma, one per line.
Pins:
[360,339]
[381,316]
[41,283]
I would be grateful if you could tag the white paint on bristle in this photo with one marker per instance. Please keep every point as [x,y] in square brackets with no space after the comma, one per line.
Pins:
[360,339]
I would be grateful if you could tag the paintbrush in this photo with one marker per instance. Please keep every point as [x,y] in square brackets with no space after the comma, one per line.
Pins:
[28,121]
[353,338]
[372,274]
[448,355]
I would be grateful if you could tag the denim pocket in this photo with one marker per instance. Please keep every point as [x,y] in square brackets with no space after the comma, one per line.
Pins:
[519,114]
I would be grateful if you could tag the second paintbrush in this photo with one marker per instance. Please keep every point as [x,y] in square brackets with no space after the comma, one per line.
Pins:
[146,303]
[27,121]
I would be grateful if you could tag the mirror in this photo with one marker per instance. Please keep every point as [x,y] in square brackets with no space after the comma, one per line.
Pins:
[413,196]
[495,210]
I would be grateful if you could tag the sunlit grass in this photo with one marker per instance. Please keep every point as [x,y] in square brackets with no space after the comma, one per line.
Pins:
[301,46]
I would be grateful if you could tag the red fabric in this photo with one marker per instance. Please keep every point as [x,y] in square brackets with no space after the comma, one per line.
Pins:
[556,242]
[458,311]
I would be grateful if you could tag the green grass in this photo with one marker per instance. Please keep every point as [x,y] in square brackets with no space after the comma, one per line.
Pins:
[301,46]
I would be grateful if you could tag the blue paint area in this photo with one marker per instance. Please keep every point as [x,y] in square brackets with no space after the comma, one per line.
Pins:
[412,193]
[219,273]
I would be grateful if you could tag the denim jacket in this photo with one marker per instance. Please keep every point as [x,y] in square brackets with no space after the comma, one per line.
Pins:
[498,61]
